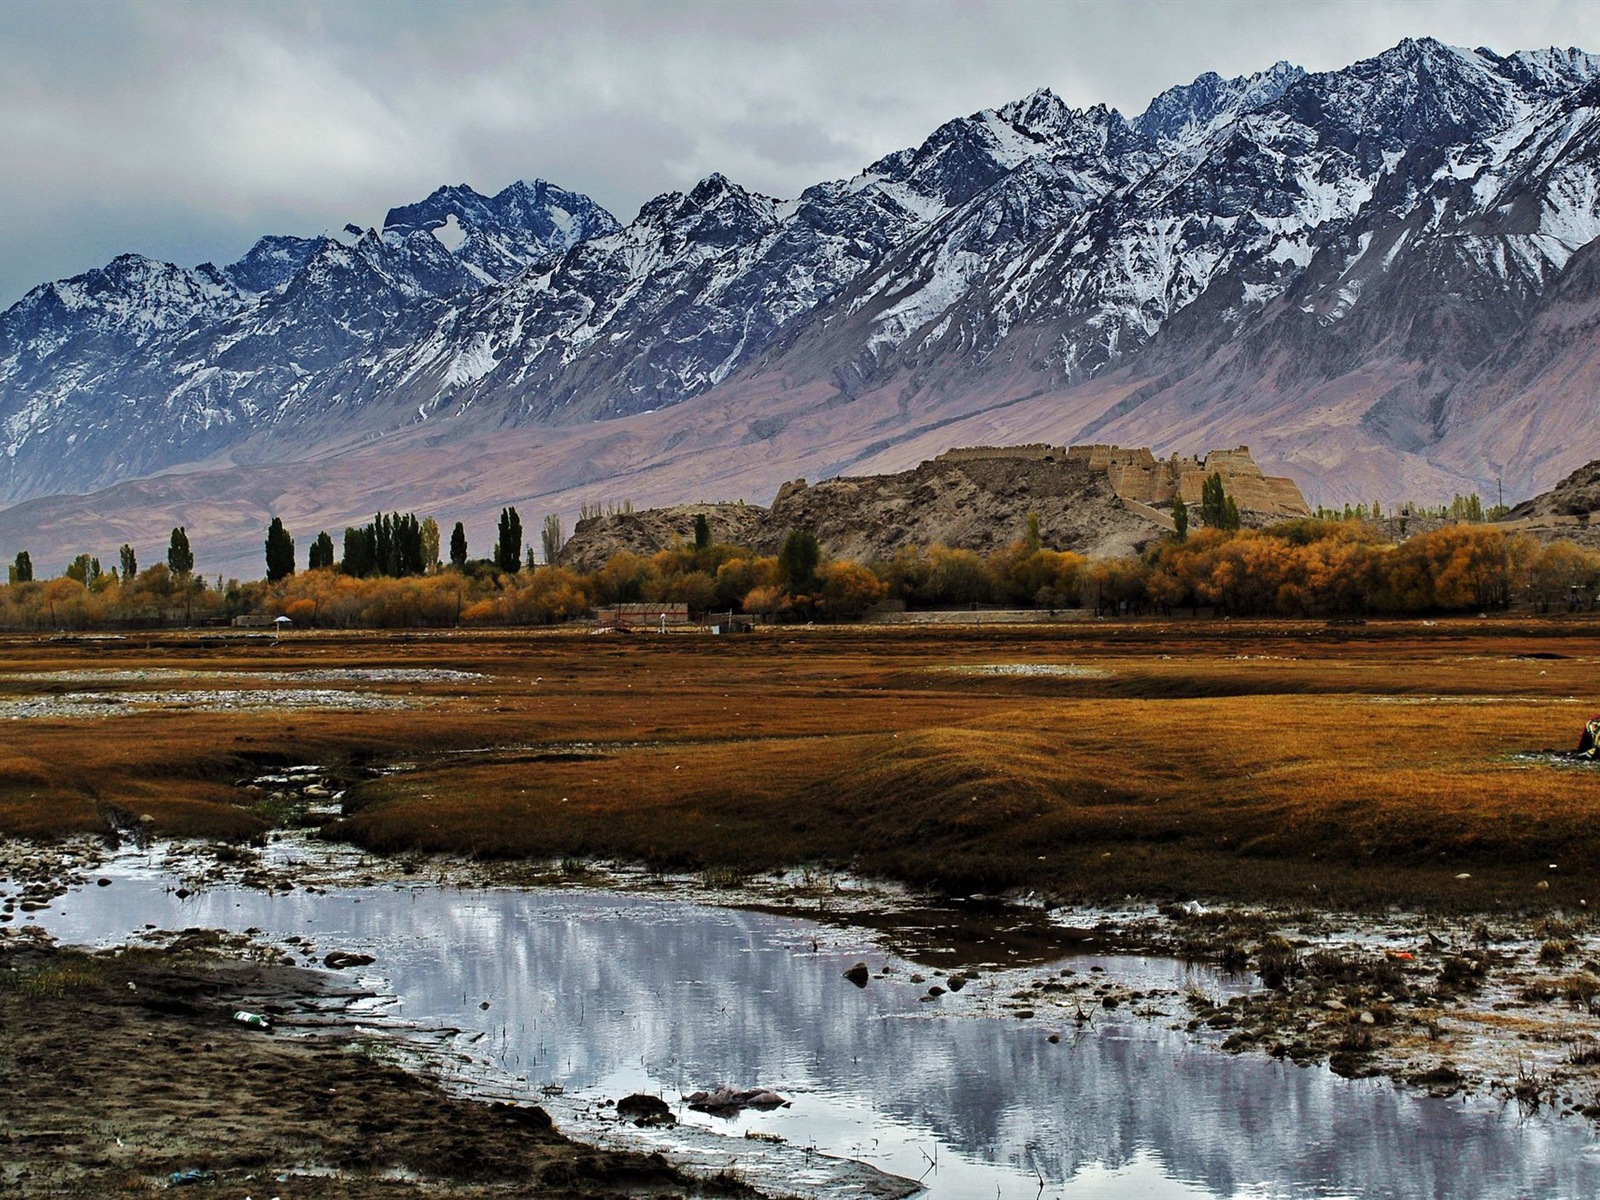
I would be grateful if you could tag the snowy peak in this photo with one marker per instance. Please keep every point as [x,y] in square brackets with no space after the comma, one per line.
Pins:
[496,236]
[1546,72]
[130,298]
[271,263]
[1185,117]
[964,157]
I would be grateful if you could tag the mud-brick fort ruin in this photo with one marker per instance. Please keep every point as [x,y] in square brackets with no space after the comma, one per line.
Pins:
[1137,475]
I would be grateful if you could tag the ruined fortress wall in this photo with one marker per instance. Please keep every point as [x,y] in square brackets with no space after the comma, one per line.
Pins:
[1152,484]
[1032,452]
[1102,457]
[1136,474]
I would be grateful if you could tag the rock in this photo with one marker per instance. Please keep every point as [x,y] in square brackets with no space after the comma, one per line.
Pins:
[919,979]
[102,883]
[338,960]
[725,1102]
[528,1116]
[936,991]
[858,975]
[957,982]
[645,1111]
[1367,1018]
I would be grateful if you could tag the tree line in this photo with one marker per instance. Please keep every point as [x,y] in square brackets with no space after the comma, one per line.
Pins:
[390,575]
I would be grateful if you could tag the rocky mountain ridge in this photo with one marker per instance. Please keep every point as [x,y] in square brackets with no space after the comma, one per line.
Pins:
[1381,277]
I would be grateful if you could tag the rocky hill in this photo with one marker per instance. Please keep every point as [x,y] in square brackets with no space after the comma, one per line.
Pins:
[978,504]
[1566,511]
[1578,495]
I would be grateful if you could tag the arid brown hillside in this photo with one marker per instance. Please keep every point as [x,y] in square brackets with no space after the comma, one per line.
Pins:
[976,505]
[1564,511]
[1577,495]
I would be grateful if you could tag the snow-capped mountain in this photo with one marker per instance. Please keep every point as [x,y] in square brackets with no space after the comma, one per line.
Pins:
[1376,275]
[142,365]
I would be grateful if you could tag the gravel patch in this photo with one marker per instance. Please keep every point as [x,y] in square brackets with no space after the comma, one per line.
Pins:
[109,704]
[1030,670]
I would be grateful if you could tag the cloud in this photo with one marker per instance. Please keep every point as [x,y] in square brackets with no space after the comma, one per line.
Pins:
[185,130]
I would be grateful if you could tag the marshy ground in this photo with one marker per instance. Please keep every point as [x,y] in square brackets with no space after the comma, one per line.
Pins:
[1368,817]
[1339,766]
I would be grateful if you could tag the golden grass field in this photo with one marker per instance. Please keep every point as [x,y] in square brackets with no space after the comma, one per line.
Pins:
[1329,765]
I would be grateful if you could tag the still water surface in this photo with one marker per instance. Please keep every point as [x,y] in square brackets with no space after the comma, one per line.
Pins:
[604,994]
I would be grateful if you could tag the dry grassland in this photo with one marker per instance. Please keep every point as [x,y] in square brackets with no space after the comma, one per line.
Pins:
[1329,765]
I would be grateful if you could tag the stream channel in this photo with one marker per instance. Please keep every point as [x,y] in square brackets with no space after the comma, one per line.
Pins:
[572,997]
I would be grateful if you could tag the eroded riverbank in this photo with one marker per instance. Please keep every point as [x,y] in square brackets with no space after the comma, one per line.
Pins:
[1026,1009]
[123,1073]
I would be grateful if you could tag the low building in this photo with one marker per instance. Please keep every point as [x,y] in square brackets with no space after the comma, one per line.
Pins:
[664,615]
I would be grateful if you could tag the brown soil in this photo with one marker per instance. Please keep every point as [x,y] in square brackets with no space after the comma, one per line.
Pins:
[119,1069]
[1337,766]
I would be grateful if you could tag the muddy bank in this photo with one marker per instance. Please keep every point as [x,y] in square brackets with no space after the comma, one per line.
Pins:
[1499,1005]
[122,1072]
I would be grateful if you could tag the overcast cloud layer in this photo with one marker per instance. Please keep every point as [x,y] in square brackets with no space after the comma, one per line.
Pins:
[184,131]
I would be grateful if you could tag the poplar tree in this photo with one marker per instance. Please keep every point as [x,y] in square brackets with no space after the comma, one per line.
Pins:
[508,550]
[553,537]
[1217,508]
[458,546]
[180,559]
[797,561]
[130,563]
[430,544]
[280,551]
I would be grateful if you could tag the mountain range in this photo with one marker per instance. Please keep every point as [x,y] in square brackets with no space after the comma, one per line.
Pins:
[1383,278]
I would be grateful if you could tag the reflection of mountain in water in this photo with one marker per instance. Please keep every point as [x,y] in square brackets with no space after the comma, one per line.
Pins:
[583,986]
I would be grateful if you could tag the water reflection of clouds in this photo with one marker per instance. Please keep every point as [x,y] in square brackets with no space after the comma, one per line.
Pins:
[591,990]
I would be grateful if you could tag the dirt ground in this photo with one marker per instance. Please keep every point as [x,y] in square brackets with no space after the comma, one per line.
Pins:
[1335,765]
[121,1072]
[1254,781]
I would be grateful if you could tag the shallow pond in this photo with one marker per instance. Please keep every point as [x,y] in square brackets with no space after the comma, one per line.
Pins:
[604,994]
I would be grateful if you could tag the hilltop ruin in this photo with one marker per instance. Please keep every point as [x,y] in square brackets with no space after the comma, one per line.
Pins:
[1095,500]
[1137,474]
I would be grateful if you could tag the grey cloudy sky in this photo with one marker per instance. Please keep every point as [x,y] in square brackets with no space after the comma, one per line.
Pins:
[184,131]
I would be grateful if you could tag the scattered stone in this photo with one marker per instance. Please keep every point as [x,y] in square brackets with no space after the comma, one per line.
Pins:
[645,1111]
[858,975]
[338,960]
[726,1102]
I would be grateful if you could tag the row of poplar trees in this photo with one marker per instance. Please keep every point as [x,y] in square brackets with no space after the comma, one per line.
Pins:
[397,545]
